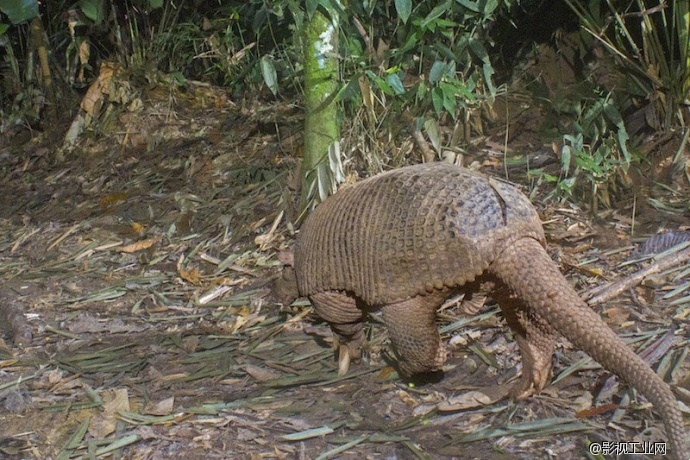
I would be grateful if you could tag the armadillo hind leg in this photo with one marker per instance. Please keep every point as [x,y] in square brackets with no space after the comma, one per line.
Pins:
[412,329]
[536,340]
[530,273]
[345,318]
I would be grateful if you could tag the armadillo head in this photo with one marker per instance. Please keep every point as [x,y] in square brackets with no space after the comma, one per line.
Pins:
[284,289]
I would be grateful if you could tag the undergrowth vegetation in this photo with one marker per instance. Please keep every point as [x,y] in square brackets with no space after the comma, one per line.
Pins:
[426,68]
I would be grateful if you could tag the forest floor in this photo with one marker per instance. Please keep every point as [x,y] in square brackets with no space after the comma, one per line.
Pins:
[138,322]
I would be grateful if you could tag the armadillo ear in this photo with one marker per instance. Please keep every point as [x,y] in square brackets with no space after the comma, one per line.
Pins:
[287,258]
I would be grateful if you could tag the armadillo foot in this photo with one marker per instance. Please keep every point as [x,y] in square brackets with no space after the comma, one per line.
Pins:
[348,350]
[535,338]
[341,312]
[531,382]
[412,329]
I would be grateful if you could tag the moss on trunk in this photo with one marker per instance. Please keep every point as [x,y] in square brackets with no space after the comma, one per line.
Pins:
[321,131]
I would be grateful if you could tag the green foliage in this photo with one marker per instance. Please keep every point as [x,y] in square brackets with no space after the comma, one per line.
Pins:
[650,42]
[642,66]
[25,108]
[595,156]
[428,58]
[19,11]
[93,9]
[404,9]
[268,70]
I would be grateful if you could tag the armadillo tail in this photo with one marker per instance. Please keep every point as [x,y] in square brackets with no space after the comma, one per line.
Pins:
[528,270]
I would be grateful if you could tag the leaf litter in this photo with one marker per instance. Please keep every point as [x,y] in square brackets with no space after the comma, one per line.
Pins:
[138,322]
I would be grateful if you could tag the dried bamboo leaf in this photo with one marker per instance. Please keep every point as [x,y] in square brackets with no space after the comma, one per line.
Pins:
[115,445]
[535,428]
[74,441]
[308,434]
[339,450]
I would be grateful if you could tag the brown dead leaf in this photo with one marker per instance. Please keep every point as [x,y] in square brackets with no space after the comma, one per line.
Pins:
[190,276]
[617,315]
[191,343]
[112,199]
[8,363]
[55,376]
[594,411]
[139,245]
[164,407]
[386,373]
[407,399]
[255,225]
[137,228]
[286,258]
[105,422]
[98,88]
[261,373]
[472,399]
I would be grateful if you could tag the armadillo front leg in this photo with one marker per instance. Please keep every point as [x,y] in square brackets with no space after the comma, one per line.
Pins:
[412,329]
[536,341]
[345,319]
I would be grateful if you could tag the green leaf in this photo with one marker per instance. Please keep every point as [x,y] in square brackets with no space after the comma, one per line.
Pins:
[621,132]
[178,78]
[438,69]
[404,8]
[268,71]
[435,13]
[449,94]
[488,72]
[394,82]
[311,7]
[19,11]
[3,29]
[437,100]
[383,86]
[445,51]
[432,130]
[348,91]
[449,105]
[155,4]
[461,89]
[490,7]
[422,89]
[470,5]
[478,50]
[411,42]
[566,152]
[93,9]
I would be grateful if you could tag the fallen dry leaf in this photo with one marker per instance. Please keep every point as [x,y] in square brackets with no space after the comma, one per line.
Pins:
[261,373]
[471,400]
[105,422]
[164,407]
[140,245]
[190,276]
[112,199]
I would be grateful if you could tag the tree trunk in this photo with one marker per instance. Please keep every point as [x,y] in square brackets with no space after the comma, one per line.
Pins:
[38,37]
[321,164]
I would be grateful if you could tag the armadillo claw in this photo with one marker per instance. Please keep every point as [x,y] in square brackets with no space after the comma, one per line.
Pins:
[343,360]
[530,383]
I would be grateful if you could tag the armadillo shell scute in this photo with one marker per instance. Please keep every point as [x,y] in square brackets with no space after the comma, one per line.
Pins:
[410,231]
